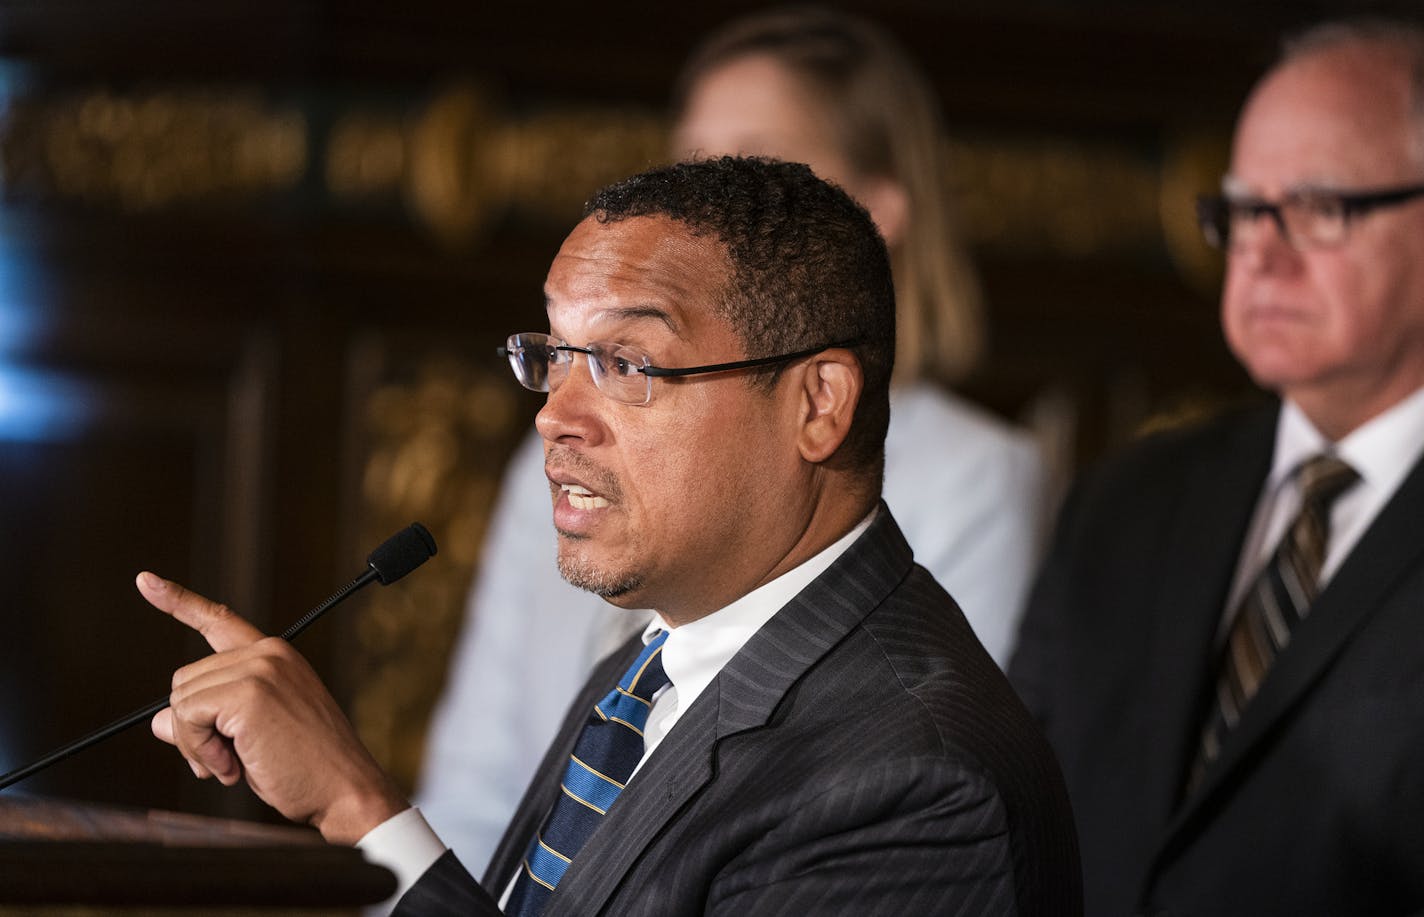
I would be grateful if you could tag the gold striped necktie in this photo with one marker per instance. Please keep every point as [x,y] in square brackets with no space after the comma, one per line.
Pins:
[1277,601]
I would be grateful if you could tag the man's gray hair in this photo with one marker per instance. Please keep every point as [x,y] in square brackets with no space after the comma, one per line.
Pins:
[1403,37]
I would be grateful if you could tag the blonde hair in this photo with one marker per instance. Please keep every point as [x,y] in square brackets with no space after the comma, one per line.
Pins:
[889,124]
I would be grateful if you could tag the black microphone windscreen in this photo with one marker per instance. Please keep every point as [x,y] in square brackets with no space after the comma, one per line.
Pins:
[402,553]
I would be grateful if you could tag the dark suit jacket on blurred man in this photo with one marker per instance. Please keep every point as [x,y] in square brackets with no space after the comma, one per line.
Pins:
[1313,806]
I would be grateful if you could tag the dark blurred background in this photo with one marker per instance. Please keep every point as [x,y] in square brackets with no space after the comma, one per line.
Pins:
[255,258]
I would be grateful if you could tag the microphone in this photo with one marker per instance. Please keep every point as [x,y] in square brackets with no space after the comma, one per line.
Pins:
[396,556]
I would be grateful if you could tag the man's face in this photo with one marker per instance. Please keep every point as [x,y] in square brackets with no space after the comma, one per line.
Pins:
[1339,330]
[681,504]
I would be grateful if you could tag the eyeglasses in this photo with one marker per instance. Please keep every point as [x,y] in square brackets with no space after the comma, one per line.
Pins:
[541,363]
[1306,219]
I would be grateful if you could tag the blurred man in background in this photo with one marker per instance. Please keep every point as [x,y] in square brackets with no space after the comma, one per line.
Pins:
[1226,645]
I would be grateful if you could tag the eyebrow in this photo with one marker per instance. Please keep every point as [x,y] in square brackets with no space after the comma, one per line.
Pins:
[1230,185]
[643,313]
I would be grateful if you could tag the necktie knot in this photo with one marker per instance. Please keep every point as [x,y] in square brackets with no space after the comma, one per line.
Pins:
[646,676]
[631,700]
[1323,478]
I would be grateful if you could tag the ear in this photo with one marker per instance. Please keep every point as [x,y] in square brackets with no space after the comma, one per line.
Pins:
[889,207]
[831,382]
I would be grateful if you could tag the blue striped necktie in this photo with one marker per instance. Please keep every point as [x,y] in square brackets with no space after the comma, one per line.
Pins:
[607,751]
[1277,601]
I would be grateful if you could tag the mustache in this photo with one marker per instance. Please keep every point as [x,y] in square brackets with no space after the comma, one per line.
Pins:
[593,476]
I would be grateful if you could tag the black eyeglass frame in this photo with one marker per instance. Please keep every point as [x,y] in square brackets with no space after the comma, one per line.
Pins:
[669,371]
[1214,211]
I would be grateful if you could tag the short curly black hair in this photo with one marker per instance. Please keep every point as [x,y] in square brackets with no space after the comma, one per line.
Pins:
[808,266]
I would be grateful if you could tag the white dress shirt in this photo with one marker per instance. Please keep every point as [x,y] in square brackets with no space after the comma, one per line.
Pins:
[693,654]
[1382,451]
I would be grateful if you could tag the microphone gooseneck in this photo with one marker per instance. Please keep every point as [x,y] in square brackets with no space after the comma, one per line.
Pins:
[396,556]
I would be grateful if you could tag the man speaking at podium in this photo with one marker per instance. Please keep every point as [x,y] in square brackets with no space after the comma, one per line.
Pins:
[809,725]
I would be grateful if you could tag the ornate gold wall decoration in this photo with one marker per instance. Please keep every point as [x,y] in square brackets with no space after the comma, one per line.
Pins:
[455,183]
[557,159]
[366,156]
[152,149]
[1054,195]
[461,163]
[437,445]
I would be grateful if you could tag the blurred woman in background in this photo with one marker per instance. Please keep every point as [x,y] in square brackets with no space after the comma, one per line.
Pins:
[839,94]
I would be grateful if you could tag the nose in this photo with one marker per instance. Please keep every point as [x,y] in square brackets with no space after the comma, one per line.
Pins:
[1262,245]
[572,412]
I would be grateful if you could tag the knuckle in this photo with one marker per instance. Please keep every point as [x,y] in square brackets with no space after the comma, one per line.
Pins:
[266,670]
[274,646]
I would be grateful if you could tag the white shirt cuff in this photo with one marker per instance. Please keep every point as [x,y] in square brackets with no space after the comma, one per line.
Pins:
[406,845]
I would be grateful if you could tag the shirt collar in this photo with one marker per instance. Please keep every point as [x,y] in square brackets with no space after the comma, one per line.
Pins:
[695,652]
[1296,440]
[1382,450]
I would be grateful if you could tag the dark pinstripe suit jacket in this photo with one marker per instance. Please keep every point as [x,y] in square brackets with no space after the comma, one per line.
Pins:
[860,755]
[1316,803]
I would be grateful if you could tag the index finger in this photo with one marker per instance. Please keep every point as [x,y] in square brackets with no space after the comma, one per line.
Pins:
[223,628]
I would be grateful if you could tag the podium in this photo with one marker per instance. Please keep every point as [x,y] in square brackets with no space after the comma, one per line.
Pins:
[66,859]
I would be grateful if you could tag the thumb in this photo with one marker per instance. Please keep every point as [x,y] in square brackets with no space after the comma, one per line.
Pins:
[162,726]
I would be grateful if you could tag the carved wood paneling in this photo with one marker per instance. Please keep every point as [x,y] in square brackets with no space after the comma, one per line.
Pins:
[254,258]
[123,446]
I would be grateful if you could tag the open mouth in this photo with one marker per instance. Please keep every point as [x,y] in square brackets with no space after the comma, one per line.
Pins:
[582,498]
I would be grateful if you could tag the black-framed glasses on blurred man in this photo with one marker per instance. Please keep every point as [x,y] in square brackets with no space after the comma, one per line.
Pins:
[1306,219]
[541,363]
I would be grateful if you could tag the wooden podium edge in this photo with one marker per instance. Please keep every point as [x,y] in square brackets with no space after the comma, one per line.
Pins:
[56,852]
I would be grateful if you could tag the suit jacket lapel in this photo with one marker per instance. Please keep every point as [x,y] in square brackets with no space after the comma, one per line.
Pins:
[743,696]
[1219,495]
[1392,547]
